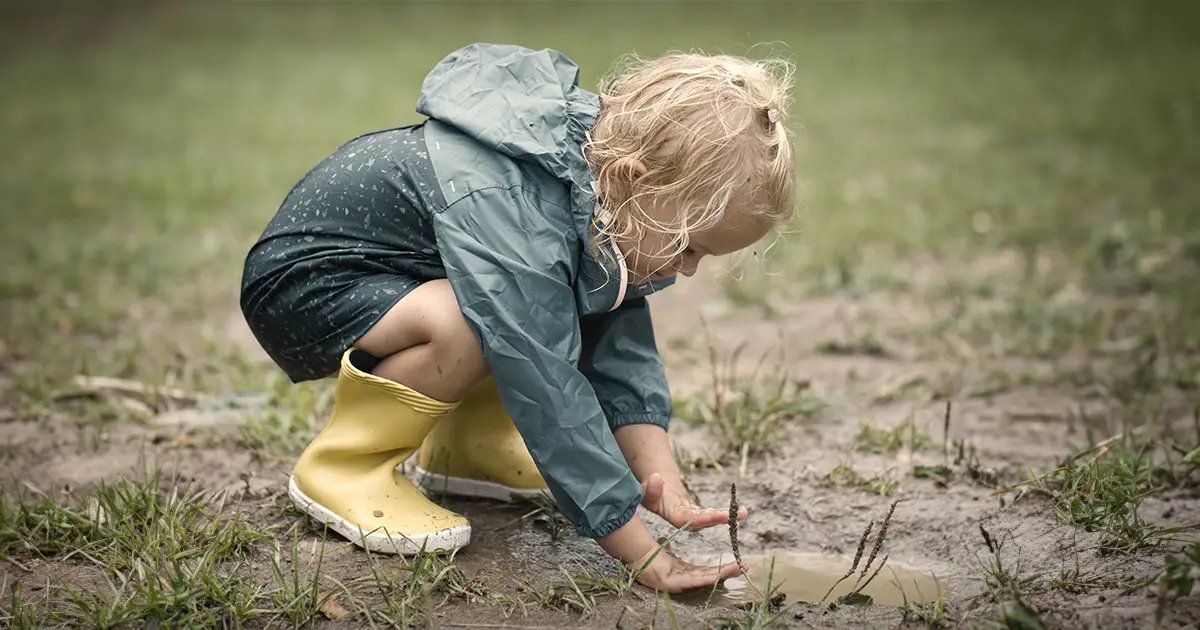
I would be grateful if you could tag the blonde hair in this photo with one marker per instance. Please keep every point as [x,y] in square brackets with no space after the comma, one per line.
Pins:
[707,129]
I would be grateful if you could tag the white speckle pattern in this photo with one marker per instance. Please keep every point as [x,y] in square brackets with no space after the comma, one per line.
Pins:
[350,240]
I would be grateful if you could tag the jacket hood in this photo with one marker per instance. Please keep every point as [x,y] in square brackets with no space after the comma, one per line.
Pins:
[527,104]
[524,103]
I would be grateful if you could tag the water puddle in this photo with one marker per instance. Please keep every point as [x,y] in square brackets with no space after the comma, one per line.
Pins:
[807,577]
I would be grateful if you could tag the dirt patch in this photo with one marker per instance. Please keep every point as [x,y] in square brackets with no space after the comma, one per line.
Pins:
[809,497]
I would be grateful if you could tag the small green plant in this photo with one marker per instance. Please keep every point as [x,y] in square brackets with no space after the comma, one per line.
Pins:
[883,484]
[1016,614]
[932,472]
[297,591]
[866,345]
[1075,580]
[904,436]
[545,510]
[1005,585]
[1174,580]
[856,596]
[763,612]
[749,415]
[20,613]
[999,578]
[578,592]
[932,614]
[431,579]
[1104,492]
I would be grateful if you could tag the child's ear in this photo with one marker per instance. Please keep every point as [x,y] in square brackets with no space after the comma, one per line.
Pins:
[628,170]
[635,168]
[621,177]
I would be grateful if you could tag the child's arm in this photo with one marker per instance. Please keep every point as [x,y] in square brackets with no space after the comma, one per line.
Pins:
[621,360]
[518,298]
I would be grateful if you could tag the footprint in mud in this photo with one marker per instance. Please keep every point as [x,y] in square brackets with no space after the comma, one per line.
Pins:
[807,577]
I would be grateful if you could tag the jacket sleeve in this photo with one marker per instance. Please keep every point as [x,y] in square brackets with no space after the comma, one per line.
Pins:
[621,360]
[507,257]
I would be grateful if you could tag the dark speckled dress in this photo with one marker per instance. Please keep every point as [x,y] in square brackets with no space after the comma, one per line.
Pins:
[350,240]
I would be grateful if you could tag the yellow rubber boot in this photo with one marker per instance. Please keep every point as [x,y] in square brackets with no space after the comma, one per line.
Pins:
[476,451]
[347,476]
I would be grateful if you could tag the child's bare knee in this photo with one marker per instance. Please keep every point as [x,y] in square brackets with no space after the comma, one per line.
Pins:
[455,344]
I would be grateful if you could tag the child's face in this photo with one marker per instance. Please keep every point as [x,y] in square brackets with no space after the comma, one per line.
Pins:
[652,259]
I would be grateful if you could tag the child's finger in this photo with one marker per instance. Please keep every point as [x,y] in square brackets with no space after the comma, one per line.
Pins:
[653,487]
[654,483]
[709,575]
[710,516]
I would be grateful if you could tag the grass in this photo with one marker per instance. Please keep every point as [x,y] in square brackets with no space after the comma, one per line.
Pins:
[1101,489]
[882,483]
[124,526]
[867,344]
[1076,580]
[931,614]
[161,554]
[905,436]
[763,612]
[430,580]
[156,552]
[20,612]
[1006,584]
[749,414]
[577,592]
[1177,578]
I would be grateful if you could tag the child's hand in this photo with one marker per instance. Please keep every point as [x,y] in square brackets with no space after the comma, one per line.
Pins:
[676,507]
[673,575]
[633,545]
[648,451]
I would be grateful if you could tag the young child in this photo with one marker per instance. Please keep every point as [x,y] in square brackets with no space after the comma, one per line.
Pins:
[477,284]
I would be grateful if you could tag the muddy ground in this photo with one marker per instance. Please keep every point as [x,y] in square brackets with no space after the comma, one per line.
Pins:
[936,529]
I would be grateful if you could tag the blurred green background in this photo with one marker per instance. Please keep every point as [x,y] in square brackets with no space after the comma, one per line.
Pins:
[145,145]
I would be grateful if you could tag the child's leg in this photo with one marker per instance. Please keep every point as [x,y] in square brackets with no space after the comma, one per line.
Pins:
[474,450]
[425,343]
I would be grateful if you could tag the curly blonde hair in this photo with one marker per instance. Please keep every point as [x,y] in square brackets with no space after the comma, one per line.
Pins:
[695,131]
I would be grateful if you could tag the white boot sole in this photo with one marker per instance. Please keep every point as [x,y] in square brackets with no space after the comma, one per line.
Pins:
[377,542]
[438,484]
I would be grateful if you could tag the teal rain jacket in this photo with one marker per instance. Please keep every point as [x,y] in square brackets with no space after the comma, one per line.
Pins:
[569,342]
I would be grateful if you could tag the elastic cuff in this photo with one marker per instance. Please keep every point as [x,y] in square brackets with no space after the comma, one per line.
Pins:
[611,525]
[648,417]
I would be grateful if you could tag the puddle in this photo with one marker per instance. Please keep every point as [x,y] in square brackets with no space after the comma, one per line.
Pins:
[806,577]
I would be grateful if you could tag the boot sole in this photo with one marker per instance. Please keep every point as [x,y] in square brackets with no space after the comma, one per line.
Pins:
[377,542]
[434,483]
